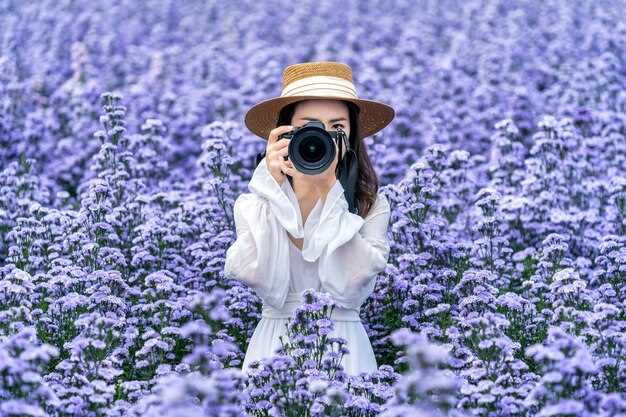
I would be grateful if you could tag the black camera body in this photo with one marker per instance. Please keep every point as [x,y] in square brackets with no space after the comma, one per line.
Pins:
[312,148]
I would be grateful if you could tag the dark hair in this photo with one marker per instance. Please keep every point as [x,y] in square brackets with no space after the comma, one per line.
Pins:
[367,184]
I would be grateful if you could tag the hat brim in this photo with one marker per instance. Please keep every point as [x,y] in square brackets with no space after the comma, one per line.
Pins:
[263,116]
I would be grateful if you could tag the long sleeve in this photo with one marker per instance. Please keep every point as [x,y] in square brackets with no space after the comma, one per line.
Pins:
[351,250]
[259,256]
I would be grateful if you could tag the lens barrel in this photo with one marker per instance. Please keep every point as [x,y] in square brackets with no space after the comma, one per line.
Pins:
[311,148]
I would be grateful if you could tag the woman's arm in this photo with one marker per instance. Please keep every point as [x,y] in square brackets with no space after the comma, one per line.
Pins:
[351,250]
[259,256]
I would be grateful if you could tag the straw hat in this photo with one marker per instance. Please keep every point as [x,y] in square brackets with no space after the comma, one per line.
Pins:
[318,80]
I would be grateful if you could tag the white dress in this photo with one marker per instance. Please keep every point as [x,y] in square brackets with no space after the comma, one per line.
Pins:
[342,254]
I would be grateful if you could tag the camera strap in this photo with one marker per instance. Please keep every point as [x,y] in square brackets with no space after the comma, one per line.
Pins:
[348,176]
[348,172]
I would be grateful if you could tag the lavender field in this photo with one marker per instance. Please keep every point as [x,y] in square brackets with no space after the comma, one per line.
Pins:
[123,149]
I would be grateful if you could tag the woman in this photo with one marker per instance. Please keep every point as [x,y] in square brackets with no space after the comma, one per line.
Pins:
[299,234]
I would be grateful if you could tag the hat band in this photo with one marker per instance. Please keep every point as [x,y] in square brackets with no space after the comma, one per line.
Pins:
[320,85]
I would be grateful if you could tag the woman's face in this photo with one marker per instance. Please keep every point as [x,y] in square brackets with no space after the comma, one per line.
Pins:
[332,113]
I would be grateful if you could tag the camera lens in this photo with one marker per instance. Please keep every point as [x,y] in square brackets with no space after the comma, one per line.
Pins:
[311,149]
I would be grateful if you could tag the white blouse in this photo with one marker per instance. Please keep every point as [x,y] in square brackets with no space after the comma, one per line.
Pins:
[342,254]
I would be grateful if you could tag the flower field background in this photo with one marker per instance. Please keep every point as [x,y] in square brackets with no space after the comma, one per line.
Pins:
[123,149]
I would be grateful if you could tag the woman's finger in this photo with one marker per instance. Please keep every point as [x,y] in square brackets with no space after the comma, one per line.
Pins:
[289,169]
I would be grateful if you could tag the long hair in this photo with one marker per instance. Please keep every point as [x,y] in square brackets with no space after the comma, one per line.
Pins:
[367,183]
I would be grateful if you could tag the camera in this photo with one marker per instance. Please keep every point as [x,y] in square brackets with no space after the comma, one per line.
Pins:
[312,148]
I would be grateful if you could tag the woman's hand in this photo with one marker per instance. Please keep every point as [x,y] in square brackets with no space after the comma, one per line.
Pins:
[275,152]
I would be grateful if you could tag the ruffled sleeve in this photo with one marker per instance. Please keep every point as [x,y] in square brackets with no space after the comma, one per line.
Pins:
[259,256]
[352,250]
